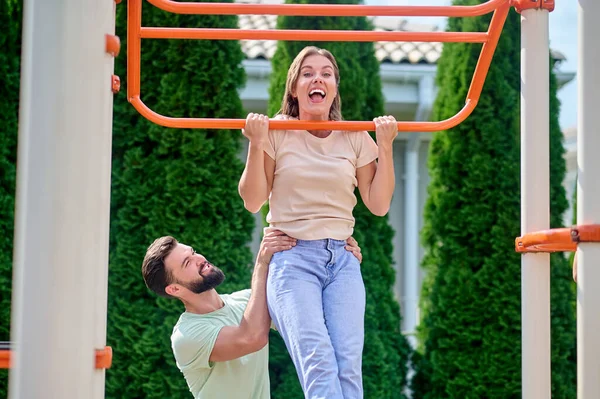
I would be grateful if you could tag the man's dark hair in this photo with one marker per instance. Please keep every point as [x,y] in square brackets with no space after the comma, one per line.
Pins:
[155,273]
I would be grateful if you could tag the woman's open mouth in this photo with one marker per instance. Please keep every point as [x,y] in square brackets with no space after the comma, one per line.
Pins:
[317,96]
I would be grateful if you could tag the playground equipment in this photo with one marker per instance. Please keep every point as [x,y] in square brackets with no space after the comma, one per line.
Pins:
[63,175]
[136,32]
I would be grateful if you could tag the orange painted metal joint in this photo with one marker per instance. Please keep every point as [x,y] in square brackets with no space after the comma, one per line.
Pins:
[4,359]
[521,5]
[557,240]
[586,233]
[103,359]
[115,83]
[113,45]
[117,1]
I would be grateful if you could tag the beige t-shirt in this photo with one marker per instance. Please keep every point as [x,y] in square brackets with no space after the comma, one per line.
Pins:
[315,179]
[193,340]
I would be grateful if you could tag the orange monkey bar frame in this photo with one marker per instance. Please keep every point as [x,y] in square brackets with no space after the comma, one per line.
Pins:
[103,356]
[557,240]
[136,32]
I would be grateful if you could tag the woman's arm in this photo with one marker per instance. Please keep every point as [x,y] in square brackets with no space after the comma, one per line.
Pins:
[376,180]
[254,187]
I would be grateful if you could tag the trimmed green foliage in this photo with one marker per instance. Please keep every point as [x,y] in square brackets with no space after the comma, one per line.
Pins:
[386,351]
[172,182]
[10,59]
[471,299]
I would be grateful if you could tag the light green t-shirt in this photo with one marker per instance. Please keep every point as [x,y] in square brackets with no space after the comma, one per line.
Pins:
[193,339]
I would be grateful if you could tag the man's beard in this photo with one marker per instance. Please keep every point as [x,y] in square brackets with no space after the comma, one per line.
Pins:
[208,282]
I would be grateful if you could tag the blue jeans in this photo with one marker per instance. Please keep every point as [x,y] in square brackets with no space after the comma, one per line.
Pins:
[316,299]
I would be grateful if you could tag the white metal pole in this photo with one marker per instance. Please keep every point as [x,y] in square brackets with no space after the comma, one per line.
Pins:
[588,201]
[99,223]
[535,202]
[410,296]
[62,207]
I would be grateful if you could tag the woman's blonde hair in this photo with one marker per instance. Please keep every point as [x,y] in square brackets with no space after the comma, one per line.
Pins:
[289,105]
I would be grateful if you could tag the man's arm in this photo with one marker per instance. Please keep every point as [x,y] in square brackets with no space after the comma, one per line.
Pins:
[253,332]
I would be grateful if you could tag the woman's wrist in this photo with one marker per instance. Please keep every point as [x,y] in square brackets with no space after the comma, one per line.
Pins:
[385,148]
[256,144]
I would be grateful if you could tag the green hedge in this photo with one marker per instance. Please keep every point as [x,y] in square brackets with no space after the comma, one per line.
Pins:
[10,59]
[386,351]
[471,299]
[172,181]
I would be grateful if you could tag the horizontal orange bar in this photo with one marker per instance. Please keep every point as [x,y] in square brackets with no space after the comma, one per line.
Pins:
[208,123]
[103,358]
[331,10]
[554,240]
[314,35]
[557,240]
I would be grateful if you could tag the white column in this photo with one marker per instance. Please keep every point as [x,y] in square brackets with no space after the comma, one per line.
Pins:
[588,206]
[410,276]
[535,202]
[62,204]
[427,92]
[99,205]
[410,280]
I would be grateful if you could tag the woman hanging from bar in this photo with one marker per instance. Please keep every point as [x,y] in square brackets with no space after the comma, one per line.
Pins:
[315,291]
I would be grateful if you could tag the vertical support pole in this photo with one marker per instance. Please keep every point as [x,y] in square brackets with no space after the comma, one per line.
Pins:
[535,202]
[411,239]
[588,201]
[62,207]
[101,108]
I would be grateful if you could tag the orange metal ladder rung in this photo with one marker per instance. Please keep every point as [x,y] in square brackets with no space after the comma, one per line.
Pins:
[319,36]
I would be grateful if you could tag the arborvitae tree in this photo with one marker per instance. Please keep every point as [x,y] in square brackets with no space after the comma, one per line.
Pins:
[471,299]
[177,182]
[386,350]
[10,59]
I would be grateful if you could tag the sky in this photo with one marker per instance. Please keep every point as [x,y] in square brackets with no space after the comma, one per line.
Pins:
[563,38]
